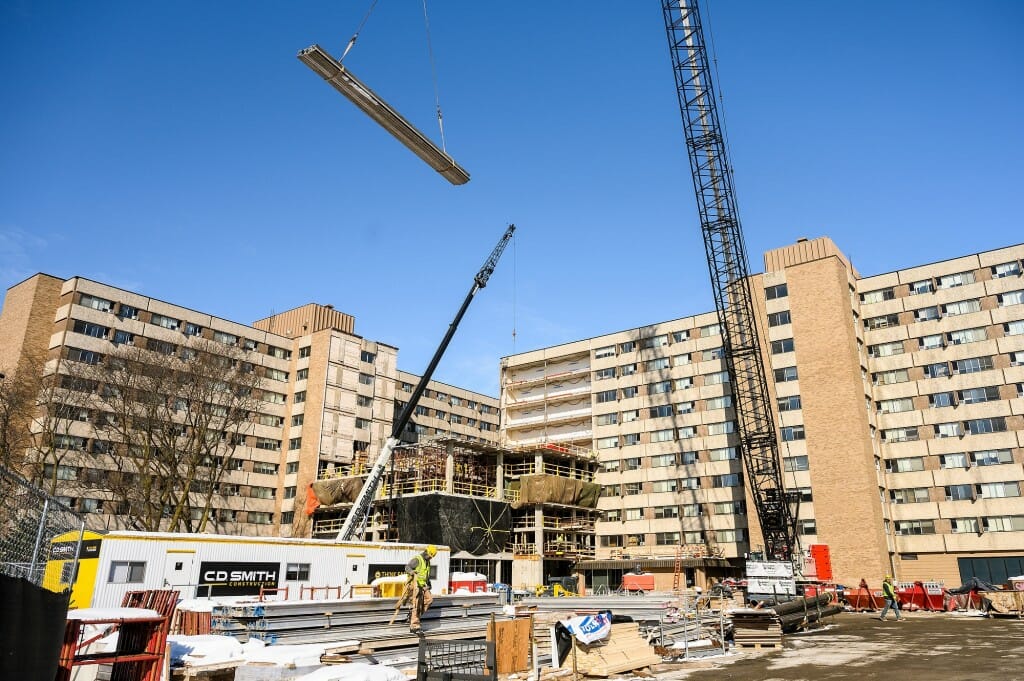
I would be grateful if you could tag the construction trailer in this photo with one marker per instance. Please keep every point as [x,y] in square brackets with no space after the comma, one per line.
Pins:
[518,515]
[210,566]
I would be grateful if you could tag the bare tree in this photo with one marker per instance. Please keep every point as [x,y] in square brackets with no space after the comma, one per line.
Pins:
[162,422]
[19,386]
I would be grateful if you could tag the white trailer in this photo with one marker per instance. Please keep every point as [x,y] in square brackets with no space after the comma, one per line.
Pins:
[209,565]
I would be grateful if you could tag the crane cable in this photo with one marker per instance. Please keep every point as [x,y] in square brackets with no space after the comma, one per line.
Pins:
[355,36]
[433,73]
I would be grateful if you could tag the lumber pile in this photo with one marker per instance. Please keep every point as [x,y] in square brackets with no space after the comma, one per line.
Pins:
[624,650]
[754,628]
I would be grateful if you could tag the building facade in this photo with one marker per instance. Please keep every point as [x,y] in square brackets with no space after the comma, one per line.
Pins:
[899,400]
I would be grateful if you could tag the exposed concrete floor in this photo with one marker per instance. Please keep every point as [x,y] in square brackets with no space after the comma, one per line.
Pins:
[924,647]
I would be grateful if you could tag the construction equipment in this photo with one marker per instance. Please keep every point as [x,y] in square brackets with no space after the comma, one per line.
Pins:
[727,263]
[355,522]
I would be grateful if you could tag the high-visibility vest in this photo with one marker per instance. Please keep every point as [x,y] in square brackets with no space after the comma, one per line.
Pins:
[888,590]
[422,570]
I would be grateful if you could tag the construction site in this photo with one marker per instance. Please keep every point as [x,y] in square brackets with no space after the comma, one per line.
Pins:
[818,479]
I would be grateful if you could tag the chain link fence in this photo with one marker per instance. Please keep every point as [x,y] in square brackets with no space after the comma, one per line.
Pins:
[30,520]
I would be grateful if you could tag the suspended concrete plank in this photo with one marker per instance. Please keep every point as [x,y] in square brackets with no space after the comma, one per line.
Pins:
[342,80]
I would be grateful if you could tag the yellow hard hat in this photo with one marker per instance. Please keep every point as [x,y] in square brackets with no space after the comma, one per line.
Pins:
[431,550]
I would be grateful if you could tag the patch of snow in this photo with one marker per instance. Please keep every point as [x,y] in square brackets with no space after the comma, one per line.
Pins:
[112,614]
[354,671]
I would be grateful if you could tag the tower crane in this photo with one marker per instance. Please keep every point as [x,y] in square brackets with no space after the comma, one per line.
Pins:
[355,522]
[730,280]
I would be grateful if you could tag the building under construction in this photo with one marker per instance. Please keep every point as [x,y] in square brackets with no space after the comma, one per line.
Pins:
[518,516]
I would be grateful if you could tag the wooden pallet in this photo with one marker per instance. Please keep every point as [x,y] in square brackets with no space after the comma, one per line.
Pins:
[624,650]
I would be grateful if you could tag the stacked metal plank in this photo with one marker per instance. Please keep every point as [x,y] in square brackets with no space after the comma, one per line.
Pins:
[326,621]
[756,628]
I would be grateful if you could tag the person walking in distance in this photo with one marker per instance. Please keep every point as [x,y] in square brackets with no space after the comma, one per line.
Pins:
[891,599]
[418,570]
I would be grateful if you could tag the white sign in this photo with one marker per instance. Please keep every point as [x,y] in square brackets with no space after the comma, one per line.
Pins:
[757,585]
[765,568]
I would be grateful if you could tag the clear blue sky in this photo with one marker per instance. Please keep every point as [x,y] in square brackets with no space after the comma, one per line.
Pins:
[182,151]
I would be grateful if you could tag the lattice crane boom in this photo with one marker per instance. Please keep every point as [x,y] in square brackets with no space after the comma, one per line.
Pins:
[727,263]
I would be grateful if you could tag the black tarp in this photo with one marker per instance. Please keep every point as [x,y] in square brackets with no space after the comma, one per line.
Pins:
[477,526]
[974,584]
[31,630]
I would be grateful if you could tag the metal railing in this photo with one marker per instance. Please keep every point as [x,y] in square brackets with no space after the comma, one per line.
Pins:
[30,520]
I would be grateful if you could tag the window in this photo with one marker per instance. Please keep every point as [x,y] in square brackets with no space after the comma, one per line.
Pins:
[712,354]
[954,280]
[895,406]
[909,495]
[919,287]
[608,442]
[1010,298]
[631,391]
[96,303]
[721,428]
[729,508]
[908,434]
[124,338]
[680,336]
[366,356]
[656,364]
[666,435]
[691,511]
[930,342]
[298,419]
[128,312]
[806,496]
[260,518]
[635,540]
[716,378]
[1014,328]
[275,374]
[938,400]
[634,514]
[926,314]
[795,463]
[807,526]
[785,374]
[606,396]
[1007,269]
[300,375]
[913,527]
[959,492]
[279,353]
[723,454]
[777,291]
[710,330]
[659,388]
[991,457]
[165,348]
[781,346]
[296,572]
[693,537]
[886,349]
[683,383]
[630,439]
[681,360]
[291,467]
[962,525]
[126,572]
[249,344]
[628,346]
[1016,359]
[166,322]
[300,396]
[1006,523]
[953,460]
[613,515]
[627,369]
[727,480]
[688,458]
[661,410]
[881,322]
[84,356]
[936,370]
[666,538]
[951,429]
[225,338]
[607,419]
[264,467]
[631,415]
[977,395]
[967,336]
[611,491]
[611,541]
[606,351]
[878,295]
[90,329]
[602,374]
[662,512]
[655,341]
[365,379]
[632,488]
[961,307]
[684,407]
[998,490]
[268,443]
[905,465]
[294,443]
[995,424]
[686,432]
[305,351]
[689,483]
[663,460]
[722,402]
[779,318]
[664,486]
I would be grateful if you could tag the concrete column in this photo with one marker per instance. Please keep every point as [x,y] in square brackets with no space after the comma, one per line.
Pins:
[500,475]
[449,469]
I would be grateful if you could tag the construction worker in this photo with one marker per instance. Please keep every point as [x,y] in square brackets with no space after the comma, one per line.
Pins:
[891,599]
[418,570]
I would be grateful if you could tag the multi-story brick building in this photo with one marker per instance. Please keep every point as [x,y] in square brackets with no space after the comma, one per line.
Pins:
[325,395]
[899,400]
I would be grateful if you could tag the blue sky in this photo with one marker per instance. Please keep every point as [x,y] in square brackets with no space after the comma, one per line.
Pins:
[182,151]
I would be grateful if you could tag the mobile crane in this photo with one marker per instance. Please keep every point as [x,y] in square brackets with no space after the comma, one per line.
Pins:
[355,522]
[730,280]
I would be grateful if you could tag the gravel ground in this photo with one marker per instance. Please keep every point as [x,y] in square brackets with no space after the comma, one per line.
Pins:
[923,647]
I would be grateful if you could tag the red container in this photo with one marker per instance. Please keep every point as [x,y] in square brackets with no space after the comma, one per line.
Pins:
[822,561]
[635,582]
[922,595]
[475,586]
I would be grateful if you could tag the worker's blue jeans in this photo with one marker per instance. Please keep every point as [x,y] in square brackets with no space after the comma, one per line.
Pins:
[890,603]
